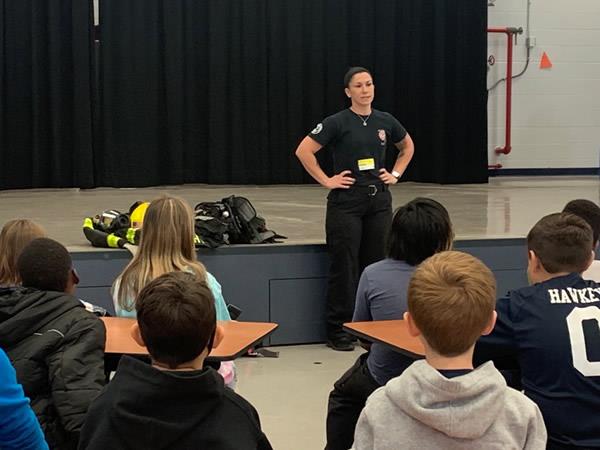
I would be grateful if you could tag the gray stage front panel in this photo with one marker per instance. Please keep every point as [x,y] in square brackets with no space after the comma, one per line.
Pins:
[507,258]
[284,283]
[246,271]
[97,270]
[497,254]
[298,306]
[507,280]
[100,296]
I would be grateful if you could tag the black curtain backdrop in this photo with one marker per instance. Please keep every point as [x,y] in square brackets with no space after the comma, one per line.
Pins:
[45,107]
[222,91]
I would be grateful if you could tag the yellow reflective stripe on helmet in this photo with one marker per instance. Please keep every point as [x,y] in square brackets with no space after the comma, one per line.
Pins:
[113,241]
[130,236]
[87,223]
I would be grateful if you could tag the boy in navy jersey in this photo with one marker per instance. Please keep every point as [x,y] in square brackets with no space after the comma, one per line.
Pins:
[551,332]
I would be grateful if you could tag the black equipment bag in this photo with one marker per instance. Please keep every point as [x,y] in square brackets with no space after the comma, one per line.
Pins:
[237,221]
[249,228]
[213,222]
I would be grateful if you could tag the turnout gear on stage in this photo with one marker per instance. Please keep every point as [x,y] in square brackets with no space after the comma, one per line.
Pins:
[118,239]
[113,229]
[233,220]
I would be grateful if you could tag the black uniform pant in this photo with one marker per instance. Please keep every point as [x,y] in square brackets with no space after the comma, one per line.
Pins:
[346,402]
[357,223]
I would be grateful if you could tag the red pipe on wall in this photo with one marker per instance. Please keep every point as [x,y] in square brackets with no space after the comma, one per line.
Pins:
[510,32]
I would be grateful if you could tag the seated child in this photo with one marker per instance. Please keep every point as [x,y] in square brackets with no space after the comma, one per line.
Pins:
[54,344]
[590,212]
[442,402]
[549,331]
[174,402]
[19,428]
[15,235]
[419,229]
[167,245]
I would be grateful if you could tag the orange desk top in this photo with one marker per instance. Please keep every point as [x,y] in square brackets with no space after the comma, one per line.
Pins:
[390,332]
[238,338]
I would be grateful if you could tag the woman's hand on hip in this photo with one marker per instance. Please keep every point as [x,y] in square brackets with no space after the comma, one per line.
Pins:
[387,177]
[342,180]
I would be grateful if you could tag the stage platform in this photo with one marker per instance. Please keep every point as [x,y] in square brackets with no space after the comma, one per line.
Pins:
[504,208]
[285,283]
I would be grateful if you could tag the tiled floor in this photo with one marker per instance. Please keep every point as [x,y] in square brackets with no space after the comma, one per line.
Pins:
[290,392]
[506,207]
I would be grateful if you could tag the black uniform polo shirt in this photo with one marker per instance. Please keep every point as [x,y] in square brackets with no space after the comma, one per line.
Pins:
[356,146]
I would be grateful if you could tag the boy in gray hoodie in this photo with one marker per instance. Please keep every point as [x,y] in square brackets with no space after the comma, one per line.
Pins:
[442,402]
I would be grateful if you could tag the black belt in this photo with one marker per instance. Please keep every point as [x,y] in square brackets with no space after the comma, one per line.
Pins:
[371,190]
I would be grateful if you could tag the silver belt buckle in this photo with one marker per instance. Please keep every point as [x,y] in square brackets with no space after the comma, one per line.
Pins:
[372,190]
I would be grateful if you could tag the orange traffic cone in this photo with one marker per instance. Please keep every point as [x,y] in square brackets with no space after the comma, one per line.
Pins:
[545,62]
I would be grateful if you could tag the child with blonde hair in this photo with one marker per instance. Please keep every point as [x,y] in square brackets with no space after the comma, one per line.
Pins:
[167,245]
[16,234]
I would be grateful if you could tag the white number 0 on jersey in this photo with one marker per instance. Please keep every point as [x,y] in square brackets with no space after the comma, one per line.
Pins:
[575,324]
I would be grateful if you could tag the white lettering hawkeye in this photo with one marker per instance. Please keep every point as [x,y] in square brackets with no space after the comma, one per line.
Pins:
[571,295]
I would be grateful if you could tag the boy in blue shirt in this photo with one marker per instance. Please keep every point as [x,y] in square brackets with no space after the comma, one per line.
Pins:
[19,428]
[550,331]
[419,229]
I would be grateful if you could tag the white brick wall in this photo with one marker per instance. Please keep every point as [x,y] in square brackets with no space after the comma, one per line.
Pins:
[556,112]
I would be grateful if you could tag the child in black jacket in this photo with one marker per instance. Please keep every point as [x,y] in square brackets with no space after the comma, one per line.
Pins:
[54,344]
[172,403]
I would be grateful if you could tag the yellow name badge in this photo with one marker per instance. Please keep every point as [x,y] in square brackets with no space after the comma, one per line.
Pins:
[366,164]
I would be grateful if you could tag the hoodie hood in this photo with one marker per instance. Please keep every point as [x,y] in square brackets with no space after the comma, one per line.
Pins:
[24,311]
[449,405]
[149,408]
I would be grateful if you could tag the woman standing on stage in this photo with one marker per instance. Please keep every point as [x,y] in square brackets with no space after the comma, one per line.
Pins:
[359,204]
